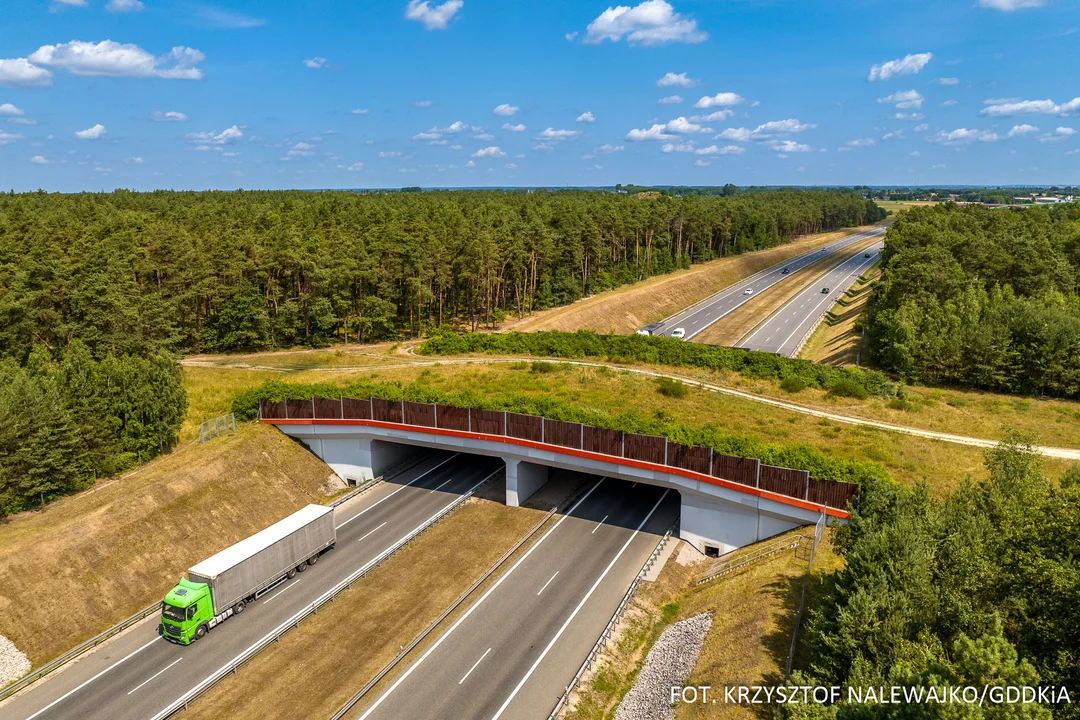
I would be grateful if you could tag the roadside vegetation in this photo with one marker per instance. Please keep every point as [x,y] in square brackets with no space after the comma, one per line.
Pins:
[837,340]
[982,298]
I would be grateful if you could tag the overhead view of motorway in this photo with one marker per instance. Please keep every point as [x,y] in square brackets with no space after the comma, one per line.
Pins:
[141,675]
[704,314]
[785,332]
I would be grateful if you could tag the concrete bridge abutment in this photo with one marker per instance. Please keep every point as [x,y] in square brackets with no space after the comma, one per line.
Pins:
[522,480]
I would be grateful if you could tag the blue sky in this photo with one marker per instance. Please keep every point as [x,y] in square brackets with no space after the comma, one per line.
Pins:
[144,94]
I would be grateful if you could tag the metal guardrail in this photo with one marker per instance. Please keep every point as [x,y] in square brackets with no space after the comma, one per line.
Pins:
[313,609]
[726,567]
[609,629]
[216,426]
[75,652]
[146,612]
[389,667]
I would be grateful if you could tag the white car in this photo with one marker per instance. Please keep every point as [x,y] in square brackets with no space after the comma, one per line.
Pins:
[679,333]
[748,291]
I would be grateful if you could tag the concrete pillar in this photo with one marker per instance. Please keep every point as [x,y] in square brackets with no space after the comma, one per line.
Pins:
[358,460]
[725,526]
[522,480]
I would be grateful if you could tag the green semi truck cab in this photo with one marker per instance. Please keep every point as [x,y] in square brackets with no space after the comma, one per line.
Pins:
[185,610]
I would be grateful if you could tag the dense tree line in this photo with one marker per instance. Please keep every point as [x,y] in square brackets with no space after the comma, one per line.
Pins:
[978,588]
[128,272]
[667,351]
[63,421]
[983,298]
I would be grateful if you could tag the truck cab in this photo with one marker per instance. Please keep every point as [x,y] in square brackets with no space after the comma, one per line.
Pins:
[185,612]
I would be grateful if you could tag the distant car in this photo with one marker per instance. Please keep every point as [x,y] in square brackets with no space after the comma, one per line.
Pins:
[650,329]
[866,255]
[679,333]
[643,332]
[825,291]
[785,271]
[748,291]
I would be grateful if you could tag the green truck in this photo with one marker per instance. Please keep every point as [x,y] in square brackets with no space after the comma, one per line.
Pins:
[223,585]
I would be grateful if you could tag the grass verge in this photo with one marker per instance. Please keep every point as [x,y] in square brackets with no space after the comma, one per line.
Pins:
[836,340]
[126,542]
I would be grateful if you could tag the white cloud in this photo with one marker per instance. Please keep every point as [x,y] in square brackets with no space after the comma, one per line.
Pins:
[433,17]
[170,116]
[224,137]
[553,134]
[1013,106]
[906,116]
[492,151]
[736,134]
[1066,131]
[506,110]
[673,80]
[389,154]
[218,18]
[1061,133]
[895,135]
[361,111]
[484,136]
[703,163]
[909,65]
[962,136]
[656,132]
[19,72]
[471,163]
[1010,5]
[124,6]
[514,128]
[22,121]
[511,166]
[779,128]
[723,99]
[355,167]
[72,3]
[717,116]
[315,63]
[586,117]
[423,103]
[788,146]
[608,149]
[921,128]
[864,142]
[427,136]
[1023,130]
[653,22]
[670,100]
[93,133]
[710,150]
[113,59]
[7,138]
[904,99]
[682,125]
[9,109]
[301,149]
[134,160]
[948,81]
[39,160]
[950,103]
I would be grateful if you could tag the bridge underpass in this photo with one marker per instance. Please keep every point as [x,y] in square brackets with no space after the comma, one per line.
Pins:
[716,515]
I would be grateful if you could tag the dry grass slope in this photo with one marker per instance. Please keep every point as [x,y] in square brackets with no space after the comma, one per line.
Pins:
[836,340]
[126,543]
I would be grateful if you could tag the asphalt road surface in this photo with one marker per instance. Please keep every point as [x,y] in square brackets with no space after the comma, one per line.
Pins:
[698,317]
[139,674]
[783,333]
[514,651]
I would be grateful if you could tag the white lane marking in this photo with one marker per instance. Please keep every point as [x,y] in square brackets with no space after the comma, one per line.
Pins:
[364,536]
[598,525]
[581,604]
[477,604]
[474,666]
[292,621]
[547,583]
[441,486]
[69,693]
[398,490]
[155,675]
[287,587]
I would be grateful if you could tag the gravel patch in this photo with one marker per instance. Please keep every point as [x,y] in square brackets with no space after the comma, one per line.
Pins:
[668,664]
[13,662]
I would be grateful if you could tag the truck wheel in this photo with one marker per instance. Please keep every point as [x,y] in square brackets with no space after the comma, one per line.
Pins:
[239,607]
[301,567]
[292,573]
[313,559]
[201,632]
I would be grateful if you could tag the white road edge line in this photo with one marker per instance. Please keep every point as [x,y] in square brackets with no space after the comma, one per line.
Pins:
[598,525]
[475,605]
[547,583]
[292,621]
[287,587]
[69,693]
[449,480]
[155,675]
[474,666]
[364,536]
[578,608]
[423,474]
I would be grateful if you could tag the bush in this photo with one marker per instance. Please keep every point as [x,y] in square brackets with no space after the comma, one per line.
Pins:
[793,384]
[845,387]
[671,388]
[543,368]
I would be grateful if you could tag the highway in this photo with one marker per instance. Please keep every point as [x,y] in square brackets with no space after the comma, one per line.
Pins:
[517,647]
[139,674]
[785,331]
[698,317]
